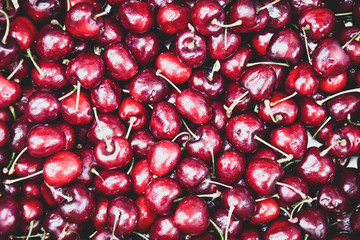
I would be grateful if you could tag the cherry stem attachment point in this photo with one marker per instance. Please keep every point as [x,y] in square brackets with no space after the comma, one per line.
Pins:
[132,120]
[12,168]
[191,132]
[284,99]
[287,156]
[342,143]
[230,109]
[109,147]
[215,68]
[95,172]
[321,127]
[213,196]
[28,51]
[67,198]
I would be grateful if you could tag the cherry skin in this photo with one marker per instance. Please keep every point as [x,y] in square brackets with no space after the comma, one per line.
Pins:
[241,200]
[334,84]
[266,211]
[27,165]
[264,152]
[104,234]
[160,194]
[144,47]
[141,176]
[173,17]
[44,140]
[24,31]
[219,118]
[9,92]
[146,216]
[172,68]
[82,115]
[82,206]
[230,167]
[141,142]
[126,212]
[299,6]
[31,190]
[344,106]
[233,93]
[234,66]
[347,179]
[112,183]
[243,10]
[19,131]
[72,3]
[164,228]
[203,81]
[260,40]
[112,33]
[41,12]
[119,62]
[302,79]
[42,107]
[261,21]
[332,199]
[54,224]
[10,215]
[80,21]
[284,228]
[163,157]
[262,175]
[329,59]
[106,96]
[54,75]
[62,168]
[221,219]
[219,49]
[130,109]
[279,13]
[250,234]
[310,113]
[192,216]
[288,196]
[88,162]
[99,219]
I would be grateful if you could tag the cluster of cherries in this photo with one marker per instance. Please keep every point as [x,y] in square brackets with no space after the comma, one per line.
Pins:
[169,120]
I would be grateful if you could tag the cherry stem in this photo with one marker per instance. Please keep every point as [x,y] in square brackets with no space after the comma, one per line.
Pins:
[38,235]
[12,168]
[106,12]
[109,147]
[306,43]
[95,172]
[214,195]
[78,89]
[322,101]
[343,14]
[267,63]
[11,181]
[213,172]
[16,69]
[181,134]
[266,6]
[131,166]
[215,68]
[30,229]
[6,169]
[262,199]
[117,217]
[351,39]
[191,45]
[339,221]
[234,103]
[306,236]
[225,38]
[56,23]
[13,112]
[93,234]
[231,210]
[125,90]
[68,94]
[302,195]
[275,119]
[7,29]
[16,4]
[217,229]
[299,205]
[350,121]
[290,163]
[158,73]
[235,24]
[191,132]
[68,5]
[287,156]
[131,124]
[342,143]
[28,51]
[321,127]
[284,99]
[285,211]
[140,235]
[67,198]
[217,183]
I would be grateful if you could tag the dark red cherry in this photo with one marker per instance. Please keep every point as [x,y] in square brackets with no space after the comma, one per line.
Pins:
[31,190]
[99,219]
[141,176]
[287,195]
[332,199]
[4,134]
[348,180]
[42,11]
[86,68]
[44,140]
[82,206]
[234,66]
[106,96]
[241,131]
[208,82]
[104,234]
[264,152]
[133,111]
[111,183]
[310,113]
[164,228]
[88,162]
[261,20]
[221,47]
[19,131]
[80,116]
[24,31]
[54,77]
[279,13]
[146,216]
[9,92]
[192,216]
[334,84]
[171,67]
[221,219]
[27,165]
[250,234]
[173,17]
[42,107]
[10,215]
[62,168]
[351,47]
[32,211]
[136,16]
[144,47]
[267,210]
[243,10]
[236,94]
[317,22]
[262,175]
[240,199]
[9,51]
[96,3]
[58,227]
[329,59]
[119,62]
[219,118]
[112,33]
[299,6]
[302,79]
[230,167]
[345,141]
[160,194]
[53,44]
[344,106]
[194,106]
[147,88]
[81,21]
[283,228]
[141,141]
[354,221]
[285,45]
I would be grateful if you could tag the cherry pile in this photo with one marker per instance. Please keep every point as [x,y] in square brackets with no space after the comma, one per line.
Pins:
[169,120]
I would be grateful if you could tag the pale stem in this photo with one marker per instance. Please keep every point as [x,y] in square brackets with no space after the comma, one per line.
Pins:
[321,127]
[191,132]
[131,166]
[234,103]
[217,23]
[211,195]
[16,69]
[96,173]
[342,143]
[288,156]
[16,4]
[343,14]
[140,235]
[158,73]
[267,63]
[262,199]
[11,181]
[284,99]
[321,102]
[213,173]
[269,110]
[68,94]
[217,229]
[131,124]
[30,229]
[104,13]
[68,5]
[13,113]
[109,147]
[93,234]
[285,211]
[125,90]
[350,121]
[225,38]
[217,183]
[229,220]
[302,195]
[306,45]
[215,68]
[179,135]
[117,216]
[28,51]
[7,29]
[67,198]
[78,89]
[12,168]
[351,39]
[266,6]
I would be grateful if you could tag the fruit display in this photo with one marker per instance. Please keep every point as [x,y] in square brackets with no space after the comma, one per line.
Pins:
[179,120]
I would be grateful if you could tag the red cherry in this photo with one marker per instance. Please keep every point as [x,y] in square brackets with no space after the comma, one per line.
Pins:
[24,31]
[172,68]
[173,17]
[266,211]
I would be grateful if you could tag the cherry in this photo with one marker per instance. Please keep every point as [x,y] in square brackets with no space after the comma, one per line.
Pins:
[230,167]
[86,68]
[24,31]
[141,141]
[19,131]
[58,227]
[267,210]
[88,162]
[104,234]
[53,77]
[244,11]
[239,200]
[160,194]
[9,92]
[69,4]
[122,215]
[284,228]
[346,37]
[223,45]
[194,106]
[192,216]
[287,195]
[133,113]
[262,175]
[318,22]
[82,21]
[136,16]
[144,47]
[4,134]
[347,179]
[230,226]
[171,67]
[264,152]
[300,6]
[73,115]
[164,228]
[310,113]
[173,17]
[31,190]
[10,215]
[237,99]
[293,50]
[62,168]
[112,33]
[44,140]
[31,210]
[82,206]
[261,39]
[141,176]
[332,199]
[219,118]
[147,88]
[334,84]
[146,216]
[40,11]
[234,66]
[261,19]
[344,141]
[209,82]
[279,13]
[250,234]
[106,96]
[27,165]
[329,58]
[111,183]
[42,107]
[99,219]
